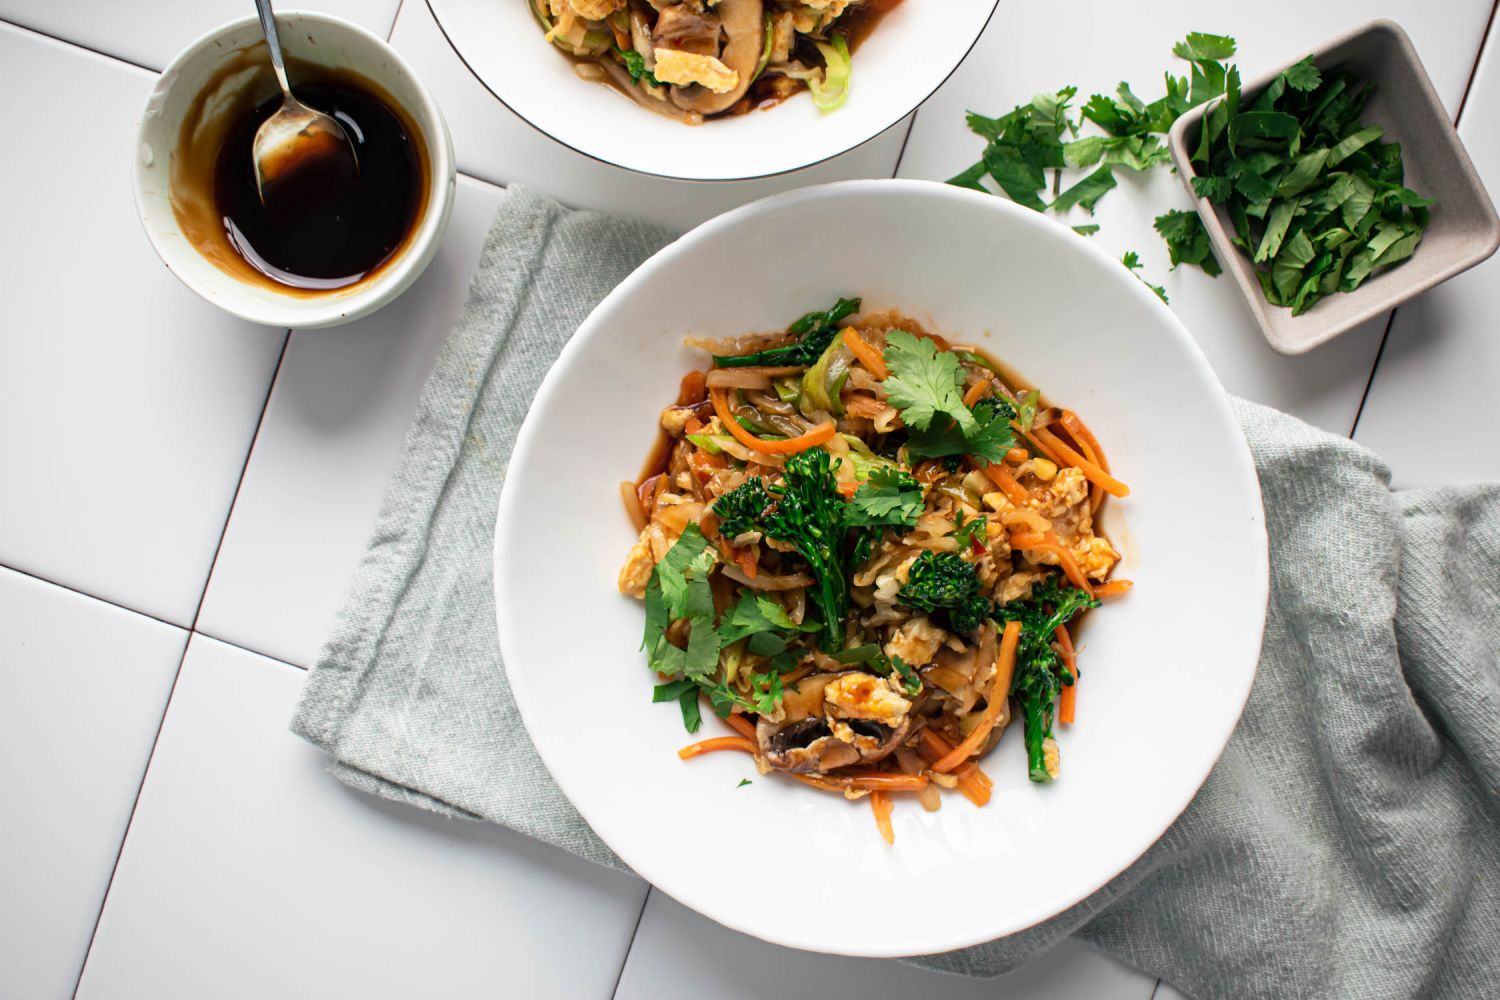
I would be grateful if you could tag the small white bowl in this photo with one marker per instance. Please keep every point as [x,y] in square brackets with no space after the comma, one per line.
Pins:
[1167,668]
[223,62]
[915,47]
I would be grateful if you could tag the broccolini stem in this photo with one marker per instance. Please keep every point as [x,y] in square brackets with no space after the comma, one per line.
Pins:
[1034,716]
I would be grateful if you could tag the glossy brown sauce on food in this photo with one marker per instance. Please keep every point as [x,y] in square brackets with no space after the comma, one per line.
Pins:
[327,225]
[856,24]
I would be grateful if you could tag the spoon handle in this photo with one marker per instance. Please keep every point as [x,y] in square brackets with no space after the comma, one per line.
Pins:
[268,26]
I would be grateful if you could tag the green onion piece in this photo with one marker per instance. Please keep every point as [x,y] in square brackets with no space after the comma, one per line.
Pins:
[830,93]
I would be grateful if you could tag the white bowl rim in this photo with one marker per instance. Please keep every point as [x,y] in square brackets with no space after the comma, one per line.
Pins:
[727,178]
[319,311]
[681,887]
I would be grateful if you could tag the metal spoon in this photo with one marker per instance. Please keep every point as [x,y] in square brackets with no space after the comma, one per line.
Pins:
[295,132]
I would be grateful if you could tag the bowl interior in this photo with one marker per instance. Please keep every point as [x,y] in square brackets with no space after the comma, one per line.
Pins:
[1463,229]
[908,56]
[231,62]
[1153,716]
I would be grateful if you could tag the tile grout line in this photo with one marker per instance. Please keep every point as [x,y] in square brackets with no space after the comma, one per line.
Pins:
[134,805]
[1458,117]
[910,126]
[239,484]
[625,959]
[176,677]
[400,5]
[47,581]
[80,46]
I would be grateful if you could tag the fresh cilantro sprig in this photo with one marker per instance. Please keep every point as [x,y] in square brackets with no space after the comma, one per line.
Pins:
[889,497]
[1187,241]
[635,65]
[1022,146]
[924,384]
[1132,262]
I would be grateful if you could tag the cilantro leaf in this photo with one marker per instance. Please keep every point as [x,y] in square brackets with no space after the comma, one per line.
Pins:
[1199,46]
[688,560]
[924,381]
[1187,240]
[990,440]
[1304,76]
[743,783]
[1086,192]
[756,613]
[888,497]
[1133,261]
[635,65]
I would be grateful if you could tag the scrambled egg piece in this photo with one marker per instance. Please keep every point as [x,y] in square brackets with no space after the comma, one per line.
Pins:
[636,572]
[916,641]
[684,68]
[862,696]
[593,10]
[1062,497]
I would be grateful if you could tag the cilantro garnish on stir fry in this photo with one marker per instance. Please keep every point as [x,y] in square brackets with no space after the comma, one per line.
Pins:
[862,547]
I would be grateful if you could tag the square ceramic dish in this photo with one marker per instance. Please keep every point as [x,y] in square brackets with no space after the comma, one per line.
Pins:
[1463,230]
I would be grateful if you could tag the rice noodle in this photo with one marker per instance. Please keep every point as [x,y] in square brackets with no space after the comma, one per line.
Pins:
[737,378]
[767,581]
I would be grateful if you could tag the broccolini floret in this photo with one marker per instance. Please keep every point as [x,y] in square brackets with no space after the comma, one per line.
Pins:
[943,584]
[1040,675]
[806,512]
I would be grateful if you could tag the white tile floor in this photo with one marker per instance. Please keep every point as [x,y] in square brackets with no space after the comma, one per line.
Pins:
[133,503]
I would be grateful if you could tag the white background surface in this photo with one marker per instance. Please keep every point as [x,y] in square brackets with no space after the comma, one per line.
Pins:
[167,469]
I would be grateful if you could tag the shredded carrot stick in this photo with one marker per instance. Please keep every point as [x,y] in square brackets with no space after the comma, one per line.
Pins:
[801,442]
[1089,445]
[976,392]
[1113,588]
[873,781]
[867,355]
[1040,447]
[717,743]
[1005,666]
[740,724]
[1016,456]
[972,782]
[1024,541]
[1001,476]
[1084,436]
[744,558]
[880,805]
[847,490]
[1090,471]
[1068,702]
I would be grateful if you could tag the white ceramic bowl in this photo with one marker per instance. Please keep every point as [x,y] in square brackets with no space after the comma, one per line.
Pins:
[1166,670]
[914,48]
[328,42]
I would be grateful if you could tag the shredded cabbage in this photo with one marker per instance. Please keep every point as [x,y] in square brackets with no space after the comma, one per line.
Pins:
[830,93]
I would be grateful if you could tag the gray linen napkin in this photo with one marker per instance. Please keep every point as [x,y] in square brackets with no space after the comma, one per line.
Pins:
[1347,844]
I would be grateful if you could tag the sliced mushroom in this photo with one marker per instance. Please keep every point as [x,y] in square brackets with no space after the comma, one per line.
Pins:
[832,721]
[744,29]
[687,29]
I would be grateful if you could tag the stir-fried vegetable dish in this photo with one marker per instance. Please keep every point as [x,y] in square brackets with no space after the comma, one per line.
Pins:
[866,550]
[696,59]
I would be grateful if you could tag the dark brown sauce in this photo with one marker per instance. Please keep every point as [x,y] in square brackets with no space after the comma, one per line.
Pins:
[327,220]
[321,230]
